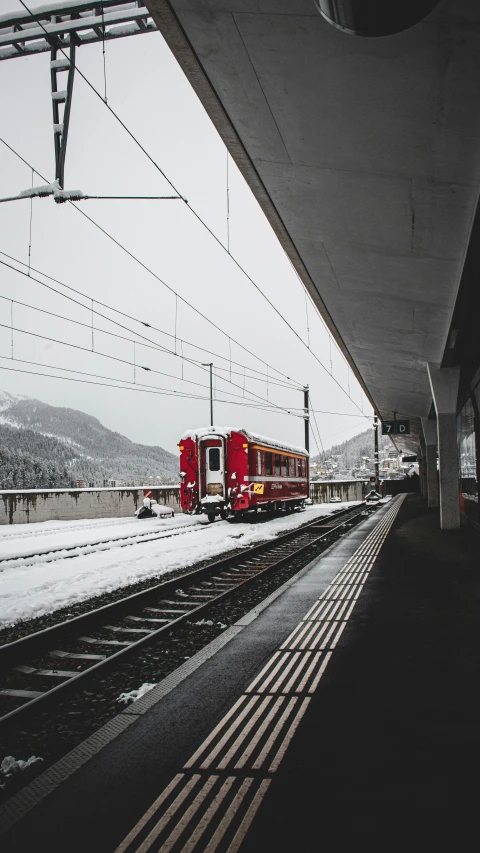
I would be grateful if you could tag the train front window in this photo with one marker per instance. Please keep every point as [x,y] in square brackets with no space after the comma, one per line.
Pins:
[277,464]
[268,464]
[214,458]
[259,461]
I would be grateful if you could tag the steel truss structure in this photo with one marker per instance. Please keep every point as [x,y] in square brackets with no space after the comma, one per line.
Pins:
[61,29]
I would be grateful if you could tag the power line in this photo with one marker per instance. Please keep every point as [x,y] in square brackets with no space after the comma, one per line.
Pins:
[155,347]
[318,429]
[125,386]
[171,289]
[142,323]
[84,197]
[115,322]
[136,320]
[197,216]
[107,355]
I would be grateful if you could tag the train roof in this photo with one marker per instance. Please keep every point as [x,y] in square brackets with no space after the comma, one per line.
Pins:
[224,431]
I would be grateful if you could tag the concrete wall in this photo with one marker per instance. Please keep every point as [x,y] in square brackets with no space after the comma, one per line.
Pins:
[59,504]
[347,490]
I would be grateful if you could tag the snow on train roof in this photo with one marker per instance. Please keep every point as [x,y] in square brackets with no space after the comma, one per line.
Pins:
[223,431]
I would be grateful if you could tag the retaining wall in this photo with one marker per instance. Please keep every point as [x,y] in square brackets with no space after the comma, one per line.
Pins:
[62,505]
[58,504]
[347,490]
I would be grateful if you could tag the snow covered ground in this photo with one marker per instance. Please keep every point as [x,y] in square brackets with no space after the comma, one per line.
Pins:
[27,590]
[81,534]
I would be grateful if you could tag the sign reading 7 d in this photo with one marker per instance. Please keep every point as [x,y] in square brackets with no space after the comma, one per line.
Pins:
[395,427]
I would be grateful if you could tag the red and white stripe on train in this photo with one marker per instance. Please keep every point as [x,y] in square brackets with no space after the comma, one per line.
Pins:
[230,472]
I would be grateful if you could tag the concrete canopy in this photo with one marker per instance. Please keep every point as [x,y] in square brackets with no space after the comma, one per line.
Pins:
[364,154]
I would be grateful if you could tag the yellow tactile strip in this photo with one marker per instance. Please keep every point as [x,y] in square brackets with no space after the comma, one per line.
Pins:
[209,806]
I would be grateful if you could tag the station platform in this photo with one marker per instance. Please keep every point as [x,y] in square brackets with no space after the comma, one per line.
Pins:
[344,711]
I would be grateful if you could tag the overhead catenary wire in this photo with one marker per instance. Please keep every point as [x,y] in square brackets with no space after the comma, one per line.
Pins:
[297,386]
[154,347]
[104,58]
[170,352]
[86,197]
[133,319]
[144,266]
[30,232]
[194,212]
[317,428]
[124,361]
[125,386]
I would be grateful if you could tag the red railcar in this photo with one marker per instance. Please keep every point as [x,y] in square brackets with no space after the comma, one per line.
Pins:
[226,471]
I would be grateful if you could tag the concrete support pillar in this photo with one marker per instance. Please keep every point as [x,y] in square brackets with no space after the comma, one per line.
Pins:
[422,469]
[444,385]
[430,433]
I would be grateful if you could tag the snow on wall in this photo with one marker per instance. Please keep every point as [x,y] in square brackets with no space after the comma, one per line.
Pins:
[67,504]
[346,490]
[30,505]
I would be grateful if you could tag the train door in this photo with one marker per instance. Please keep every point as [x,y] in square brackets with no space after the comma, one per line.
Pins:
[214,457]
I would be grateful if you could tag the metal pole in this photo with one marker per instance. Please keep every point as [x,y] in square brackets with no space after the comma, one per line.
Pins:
[211,393]
[375,427]
[307,431]
[210,365]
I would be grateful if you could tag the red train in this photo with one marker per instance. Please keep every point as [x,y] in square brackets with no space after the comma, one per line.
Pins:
[226,471]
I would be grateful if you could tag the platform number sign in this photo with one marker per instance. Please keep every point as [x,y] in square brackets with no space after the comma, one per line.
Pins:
[395,427]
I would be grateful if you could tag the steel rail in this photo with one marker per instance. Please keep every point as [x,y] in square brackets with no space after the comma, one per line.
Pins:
[11,652]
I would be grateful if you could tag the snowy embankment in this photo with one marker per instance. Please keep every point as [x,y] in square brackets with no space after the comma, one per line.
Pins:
[33,590]
[41,542]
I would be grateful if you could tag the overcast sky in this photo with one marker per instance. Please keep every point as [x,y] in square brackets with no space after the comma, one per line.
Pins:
[148,90]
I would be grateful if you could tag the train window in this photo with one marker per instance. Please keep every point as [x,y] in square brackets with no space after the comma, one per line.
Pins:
[214,458]
[300,468]
[259,461]
[268,464]
[285,466]
[292,466]
[277,464]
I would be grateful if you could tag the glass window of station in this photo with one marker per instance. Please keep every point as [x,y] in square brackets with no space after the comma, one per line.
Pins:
[467,426]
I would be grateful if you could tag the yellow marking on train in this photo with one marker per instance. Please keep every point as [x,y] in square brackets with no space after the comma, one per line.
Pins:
[258,488]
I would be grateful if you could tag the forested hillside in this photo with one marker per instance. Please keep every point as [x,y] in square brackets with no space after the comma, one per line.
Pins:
[350,452]
[47,446]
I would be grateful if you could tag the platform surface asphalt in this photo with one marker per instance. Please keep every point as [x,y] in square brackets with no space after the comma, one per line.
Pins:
[387,746]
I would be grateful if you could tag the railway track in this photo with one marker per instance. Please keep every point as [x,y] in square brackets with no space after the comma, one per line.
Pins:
[68,552]
[102,638]
[68,527]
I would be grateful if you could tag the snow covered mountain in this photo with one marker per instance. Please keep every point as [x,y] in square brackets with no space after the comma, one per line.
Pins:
[75,445]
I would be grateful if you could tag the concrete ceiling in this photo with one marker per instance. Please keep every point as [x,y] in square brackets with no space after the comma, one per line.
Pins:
[364,154]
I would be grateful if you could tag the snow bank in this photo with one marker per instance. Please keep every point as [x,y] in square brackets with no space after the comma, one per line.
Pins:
[30,591]
[133,695]
[11,765]
[37,546]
